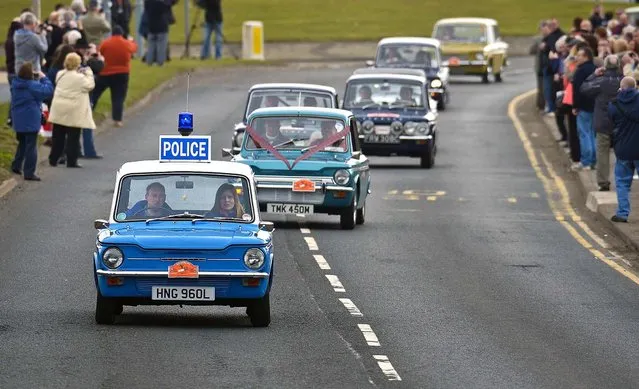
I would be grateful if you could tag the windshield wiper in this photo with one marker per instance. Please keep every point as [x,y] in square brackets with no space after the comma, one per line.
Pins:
[216,219]
[288,141]
[185,215]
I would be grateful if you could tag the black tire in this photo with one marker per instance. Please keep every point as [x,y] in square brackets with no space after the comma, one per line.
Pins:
[347,218]
[105,310]
[484,78]
[441,104]
[428,158]
[498,77]
[361,214]
[260,312]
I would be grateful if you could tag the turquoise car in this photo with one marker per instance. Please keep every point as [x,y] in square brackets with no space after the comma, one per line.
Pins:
[306,161]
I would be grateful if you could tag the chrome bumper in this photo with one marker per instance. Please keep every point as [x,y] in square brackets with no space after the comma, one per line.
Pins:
[406,137]
[482,62]
[322,184]
[202,274]
[436,90]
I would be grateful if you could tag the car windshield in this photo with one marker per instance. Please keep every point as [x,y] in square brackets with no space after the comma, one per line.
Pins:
[176,195]
[405,55]
[463,33]
[296,133]
[263,98]
[376,93]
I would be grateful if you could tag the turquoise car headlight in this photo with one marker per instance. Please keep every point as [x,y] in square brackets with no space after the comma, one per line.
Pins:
[254,258]
[409,128]
[342,176]
[436,83]
[112,257]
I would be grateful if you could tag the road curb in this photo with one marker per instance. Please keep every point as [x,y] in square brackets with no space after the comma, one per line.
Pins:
[105,124]
[603,210]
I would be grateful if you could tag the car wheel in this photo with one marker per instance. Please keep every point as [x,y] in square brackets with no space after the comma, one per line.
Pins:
[484,78]
[105,310]
[361,214]
[348,216]
[428,157]
[260,312]
[498,77]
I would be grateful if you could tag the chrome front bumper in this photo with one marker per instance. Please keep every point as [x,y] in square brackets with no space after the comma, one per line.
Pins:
[322,184]
[202,274]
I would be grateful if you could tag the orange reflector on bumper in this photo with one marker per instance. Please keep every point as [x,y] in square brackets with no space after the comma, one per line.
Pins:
[339,194]
[251,281]
[115,281]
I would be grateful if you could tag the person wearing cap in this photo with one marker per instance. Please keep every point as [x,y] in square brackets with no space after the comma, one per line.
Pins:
[117,53]
[624,114]
[94,24]
[603,85]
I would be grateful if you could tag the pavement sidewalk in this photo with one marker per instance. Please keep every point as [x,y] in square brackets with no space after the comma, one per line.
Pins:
[604,203]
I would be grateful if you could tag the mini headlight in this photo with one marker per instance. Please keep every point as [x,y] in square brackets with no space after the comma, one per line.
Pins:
[422,128]
[342,177]
[239,138]
[409,128]
[254,258]
[396,126]
[479,56]
[112,257]
[368,126]
[436,83]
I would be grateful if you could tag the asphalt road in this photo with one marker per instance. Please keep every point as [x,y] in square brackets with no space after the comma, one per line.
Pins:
[461,277]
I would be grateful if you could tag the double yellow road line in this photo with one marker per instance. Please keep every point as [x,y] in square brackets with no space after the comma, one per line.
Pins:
[559,199]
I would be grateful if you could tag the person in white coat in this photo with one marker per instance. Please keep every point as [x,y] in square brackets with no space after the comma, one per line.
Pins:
[70,110]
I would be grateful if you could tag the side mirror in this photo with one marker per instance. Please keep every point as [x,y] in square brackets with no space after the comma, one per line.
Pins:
[100,224]
[370,63]
[356,154]
[227,152]
[267,226]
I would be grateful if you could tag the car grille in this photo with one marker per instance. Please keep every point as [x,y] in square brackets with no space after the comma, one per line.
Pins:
[284,195]
[221,285]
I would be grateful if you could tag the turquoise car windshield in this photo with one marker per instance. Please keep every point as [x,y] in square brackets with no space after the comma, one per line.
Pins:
[376,93]
[296,133]
[142,197]
[407,55]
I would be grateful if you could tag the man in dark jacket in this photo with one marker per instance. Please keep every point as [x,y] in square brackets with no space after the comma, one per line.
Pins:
[213,17]
[10,57]
[603,86]
[538,53]
[583,107]
[547,47]
[121,15]
[157,14]
[624,113]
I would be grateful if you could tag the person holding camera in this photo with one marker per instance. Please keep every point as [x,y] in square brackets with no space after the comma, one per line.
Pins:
[30,42]
[28,90]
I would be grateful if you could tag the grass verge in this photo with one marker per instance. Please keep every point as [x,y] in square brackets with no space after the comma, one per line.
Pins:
[143,80]
[338,20]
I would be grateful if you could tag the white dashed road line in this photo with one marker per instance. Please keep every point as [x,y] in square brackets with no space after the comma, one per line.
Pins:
[312,245]
[336,283]
[369,335]
[321,261]
[305,231]
[351,307]
[387,368]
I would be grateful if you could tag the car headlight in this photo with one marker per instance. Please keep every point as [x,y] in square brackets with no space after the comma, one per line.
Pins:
[239,138]
[479,56]
[422,128]
[409,128]
[368,126]
[342,176]
[254,258]
[436,83]
[396,127]
[112,257]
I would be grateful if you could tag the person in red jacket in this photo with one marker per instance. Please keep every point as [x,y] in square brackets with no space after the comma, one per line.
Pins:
[117,52]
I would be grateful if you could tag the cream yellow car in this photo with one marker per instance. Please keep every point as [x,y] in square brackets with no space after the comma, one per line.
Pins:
[472,46]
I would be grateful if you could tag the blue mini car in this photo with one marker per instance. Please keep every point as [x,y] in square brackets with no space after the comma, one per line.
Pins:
[184,233]
[306,161]
[394,112]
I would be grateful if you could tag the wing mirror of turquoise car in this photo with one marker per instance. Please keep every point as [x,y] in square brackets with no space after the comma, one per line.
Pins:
[356,154]
[228,152]
[370,63]
[100,224]
[267,226]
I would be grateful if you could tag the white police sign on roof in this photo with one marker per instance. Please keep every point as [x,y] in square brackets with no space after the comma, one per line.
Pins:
[185,148]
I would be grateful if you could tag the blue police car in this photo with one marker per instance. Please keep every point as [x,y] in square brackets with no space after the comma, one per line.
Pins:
[184,230]
[394,112]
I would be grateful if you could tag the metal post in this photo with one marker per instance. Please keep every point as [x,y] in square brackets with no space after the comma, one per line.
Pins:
[36,6]
[187,29]
[139,10]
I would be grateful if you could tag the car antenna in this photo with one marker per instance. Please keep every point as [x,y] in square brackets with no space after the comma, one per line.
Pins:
[185,119]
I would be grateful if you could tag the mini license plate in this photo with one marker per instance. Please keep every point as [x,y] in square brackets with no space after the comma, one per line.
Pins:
[183,293]
[376,138]
[303,209]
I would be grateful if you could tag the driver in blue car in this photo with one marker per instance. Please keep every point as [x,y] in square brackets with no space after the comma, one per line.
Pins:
[406,96]
[227,203]
[153,205]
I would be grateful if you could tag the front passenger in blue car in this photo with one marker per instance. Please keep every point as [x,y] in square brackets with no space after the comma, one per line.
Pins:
[227,203]
[153,205]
